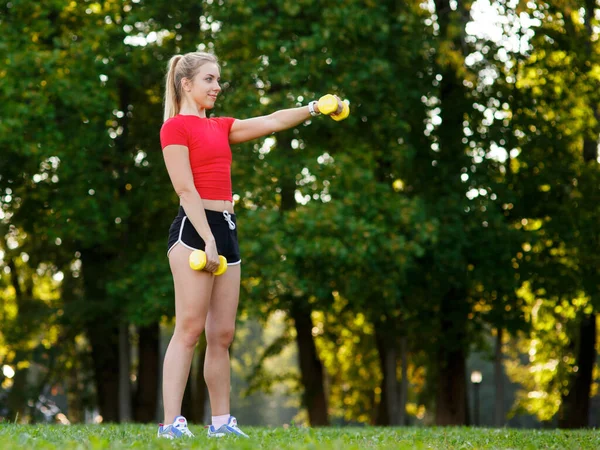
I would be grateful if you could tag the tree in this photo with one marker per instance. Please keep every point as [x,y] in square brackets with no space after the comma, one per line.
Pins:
[86,172]
[557,172]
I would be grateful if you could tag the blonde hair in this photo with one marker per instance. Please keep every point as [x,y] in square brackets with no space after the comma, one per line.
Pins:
[178,68]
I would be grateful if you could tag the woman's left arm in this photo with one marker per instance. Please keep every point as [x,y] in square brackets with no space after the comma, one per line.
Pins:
[248,129]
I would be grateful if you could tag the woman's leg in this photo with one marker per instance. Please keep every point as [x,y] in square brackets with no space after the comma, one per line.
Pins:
[220,328]
[192,297]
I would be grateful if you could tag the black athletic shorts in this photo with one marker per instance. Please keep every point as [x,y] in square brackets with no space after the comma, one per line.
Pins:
[224,229]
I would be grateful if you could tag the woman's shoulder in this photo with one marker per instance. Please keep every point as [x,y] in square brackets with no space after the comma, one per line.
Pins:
[170,121]
[225,122]
[178,119]
[183,122]
[173,131]
[174,123]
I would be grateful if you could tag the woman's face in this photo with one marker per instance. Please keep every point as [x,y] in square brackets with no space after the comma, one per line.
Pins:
[204,87]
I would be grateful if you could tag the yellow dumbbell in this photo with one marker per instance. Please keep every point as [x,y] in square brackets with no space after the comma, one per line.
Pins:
[198,262]
[345,112]
[328,104]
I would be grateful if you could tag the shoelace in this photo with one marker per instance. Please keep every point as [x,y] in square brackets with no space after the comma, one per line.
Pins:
[234,425]
[228,219]
[184,430]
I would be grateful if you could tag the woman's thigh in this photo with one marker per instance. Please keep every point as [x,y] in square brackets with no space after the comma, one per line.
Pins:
[192,288]
[224,302]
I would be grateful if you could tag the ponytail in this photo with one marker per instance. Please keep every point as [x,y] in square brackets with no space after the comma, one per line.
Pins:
[178,68]
[172,90]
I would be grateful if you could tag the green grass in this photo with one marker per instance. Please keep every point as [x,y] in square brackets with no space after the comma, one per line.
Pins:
[33,437]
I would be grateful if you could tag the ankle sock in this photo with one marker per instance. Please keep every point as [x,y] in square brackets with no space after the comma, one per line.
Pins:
[219,421]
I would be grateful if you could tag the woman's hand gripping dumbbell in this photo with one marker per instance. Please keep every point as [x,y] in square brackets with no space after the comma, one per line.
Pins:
[331,105]
[198,262]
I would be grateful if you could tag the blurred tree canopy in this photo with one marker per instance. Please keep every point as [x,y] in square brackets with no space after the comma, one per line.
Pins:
[457,202]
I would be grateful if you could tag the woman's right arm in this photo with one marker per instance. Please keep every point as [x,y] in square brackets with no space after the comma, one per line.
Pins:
[177,160]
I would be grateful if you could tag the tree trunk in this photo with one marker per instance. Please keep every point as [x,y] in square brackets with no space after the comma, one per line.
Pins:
[391,363]
[311,369]
[451,397]
[499,380]
[146,396]
[382,416]
[17,396]
[74,404]
[78,360]
[404,382]
[451,404]
[575,407]
[102,331]
[104,340]
[124,375]
[389,413]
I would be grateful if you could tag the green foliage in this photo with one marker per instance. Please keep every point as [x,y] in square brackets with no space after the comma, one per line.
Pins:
[82,178]
[554,175]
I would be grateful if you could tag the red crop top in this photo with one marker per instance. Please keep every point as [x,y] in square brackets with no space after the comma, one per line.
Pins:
[210,154]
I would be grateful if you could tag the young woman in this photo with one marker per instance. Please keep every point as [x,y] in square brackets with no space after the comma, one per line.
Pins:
[198,158]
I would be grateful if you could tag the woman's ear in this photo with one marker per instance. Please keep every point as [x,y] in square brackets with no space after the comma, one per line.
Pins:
[186,84]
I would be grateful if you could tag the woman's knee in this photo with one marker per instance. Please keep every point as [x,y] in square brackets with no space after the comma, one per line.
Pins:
[189,330]
[220,336]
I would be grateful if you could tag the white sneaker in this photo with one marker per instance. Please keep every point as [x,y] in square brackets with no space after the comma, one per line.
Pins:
[230,427]
[177,429]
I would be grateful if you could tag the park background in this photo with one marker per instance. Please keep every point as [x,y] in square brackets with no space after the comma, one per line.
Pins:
[448,226]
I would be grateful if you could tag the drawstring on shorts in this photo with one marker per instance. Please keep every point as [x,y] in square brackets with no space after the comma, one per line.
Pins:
[227,217]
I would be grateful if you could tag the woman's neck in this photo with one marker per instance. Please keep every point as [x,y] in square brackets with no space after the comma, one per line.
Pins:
[201,113]
[191,110]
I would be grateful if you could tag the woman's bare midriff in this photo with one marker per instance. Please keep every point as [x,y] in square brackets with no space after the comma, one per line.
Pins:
[218,205]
